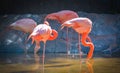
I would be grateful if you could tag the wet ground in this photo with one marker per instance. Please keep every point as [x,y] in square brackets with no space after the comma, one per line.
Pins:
[56,63]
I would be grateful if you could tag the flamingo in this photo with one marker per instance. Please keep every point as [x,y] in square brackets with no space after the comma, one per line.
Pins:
[26,25]
[61,17]
[42,32]
[83,27]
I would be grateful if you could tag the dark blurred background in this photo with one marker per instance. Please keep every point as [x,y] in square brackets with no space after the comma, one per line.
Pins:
[48,6]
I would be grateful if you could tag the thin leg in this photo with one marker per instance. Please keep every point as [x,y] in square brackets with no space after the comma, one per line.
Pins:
[37,47]
[44,52]
[26,49]
[79,48]
[26,40]
[67,39]
[70,41]
[37,60]
[22,45]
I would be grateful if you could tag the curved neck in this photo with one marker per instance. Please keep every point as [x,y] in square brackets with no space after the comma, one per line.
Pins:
[54,35]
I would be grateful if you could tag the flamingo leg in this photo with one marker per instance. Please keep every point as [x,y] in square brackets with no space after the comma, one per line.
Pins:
[37,47]
[79,48]
[67,46]
[37,60]
[25,49]
[89,44]
[44,52]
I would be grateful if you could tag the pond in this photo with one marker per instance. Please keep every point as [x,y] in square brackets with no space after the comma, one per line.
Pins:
[56,63]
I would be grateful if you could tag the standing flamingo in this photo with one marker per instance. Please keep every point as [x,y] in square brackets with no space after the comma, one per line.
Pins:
[26,25]
[42,32]
[82,26]
[61,17]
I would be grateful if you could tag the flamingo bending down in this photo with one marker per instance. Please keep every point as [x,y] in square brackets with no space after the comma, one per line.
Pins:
[26,25]
[61,17]
[42,32]
[82,26]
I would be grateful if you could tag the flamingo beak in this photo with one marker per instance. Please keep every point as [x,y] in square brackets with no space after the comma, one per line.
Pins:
[66,25]
[12,26]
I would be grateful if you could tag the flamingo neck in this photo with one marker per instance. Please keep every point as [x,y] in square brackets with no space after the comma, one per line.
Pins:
[54,36]
[46,22]
[58,19]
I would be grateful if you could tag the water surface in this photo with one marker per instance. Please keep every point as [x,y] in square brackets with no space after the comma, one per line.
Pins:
[56,63]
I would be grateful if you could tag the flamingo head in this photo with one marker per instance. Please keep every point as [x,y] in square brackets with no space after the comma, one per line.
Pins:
[67,24]
[54,35]
[16,27]
[13,26]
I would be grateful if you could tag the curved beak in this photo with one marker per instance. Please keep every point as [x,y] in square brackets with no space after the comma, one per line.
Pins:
[11,26]
[66,25]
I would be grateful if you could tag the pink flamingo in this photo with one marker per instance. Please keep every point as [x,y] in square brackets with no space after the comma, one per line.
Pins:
[26,25]
[61,17]
[42,32]
[82,26]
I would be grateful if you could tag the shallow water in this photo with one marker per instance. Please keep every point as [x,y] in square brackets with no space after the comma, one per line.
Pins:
[56,63]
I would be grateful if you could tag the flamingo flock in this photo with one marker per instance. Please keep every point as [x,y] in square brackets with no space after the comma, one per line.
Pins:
[43,32]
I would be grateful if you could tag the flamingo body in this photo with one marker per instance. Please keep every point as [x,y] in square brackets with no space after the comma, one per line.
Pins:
[42,32]
[80,25]
[62,16]
[25,25]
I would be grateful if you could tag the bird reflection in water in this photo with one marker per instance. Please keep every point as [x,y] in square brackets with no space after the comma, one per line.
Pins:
[38,67]
[85,66]
[88,68]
